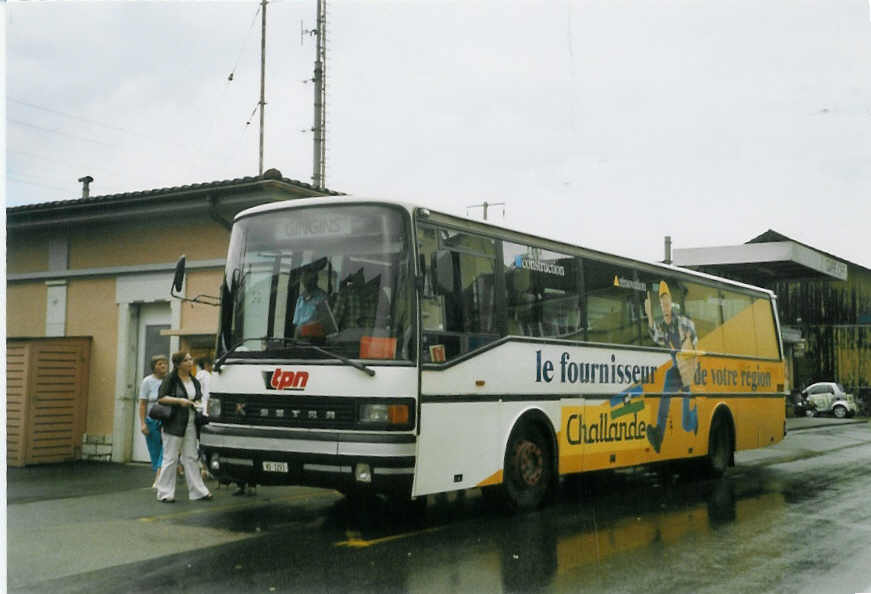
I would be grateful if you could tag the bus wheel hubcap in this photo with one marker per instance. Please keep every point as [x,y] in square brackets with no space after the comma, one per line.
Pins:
[530,462]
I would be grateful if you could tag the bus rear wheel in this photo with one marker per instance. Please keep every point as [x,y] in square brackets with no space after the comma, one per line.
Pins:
[528,468]
[719,448]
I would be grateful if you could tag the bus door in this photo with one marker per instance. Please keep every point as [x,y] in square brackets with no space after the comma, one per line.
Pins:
[461,438]
[462,382]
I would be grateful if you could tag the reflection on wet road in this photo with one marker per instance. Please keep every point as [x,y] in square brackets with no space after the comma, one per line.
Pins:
[801,525]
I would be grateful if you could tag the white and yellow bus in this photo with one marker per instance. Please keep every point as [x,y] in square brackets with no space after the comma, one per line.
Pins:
[380,346]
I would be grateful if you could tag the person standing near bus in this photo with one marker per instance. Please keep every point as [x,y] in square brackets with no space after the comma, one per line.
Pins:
[183,393]
[150,427]
[678,333]
[204,374]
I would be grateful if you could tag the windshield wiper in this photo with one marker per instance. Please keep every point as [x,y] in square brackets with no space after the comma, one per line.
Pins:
[295,342]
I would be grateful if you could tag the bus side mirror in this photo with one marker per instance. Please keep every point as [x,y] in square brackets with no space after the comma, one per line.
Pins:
[178,279]
[443,272]
[178,283]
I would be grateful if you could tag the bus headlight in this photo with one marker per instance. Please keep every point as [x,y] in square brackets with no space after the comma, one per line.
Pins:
[213,409]
[384,414]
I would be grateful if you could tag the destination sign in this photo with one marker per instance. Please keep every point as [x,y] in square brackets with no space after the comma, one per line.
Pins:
[314,226]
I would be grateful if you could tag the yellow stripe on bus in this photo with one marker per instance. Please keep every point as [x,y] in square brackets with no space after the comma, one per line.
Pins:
[493,479]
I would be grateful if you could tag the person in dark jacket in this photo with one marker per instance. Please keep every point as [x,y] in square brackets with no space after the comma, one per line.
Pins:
[183,393]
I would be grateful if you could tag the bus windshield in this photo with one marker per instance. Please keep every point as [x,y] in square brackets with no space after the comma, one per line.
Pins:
[337,277]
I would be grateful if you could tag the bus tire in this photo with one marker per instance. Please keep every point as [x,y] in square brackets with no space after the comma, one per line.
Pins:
[493,496]
[720,447]
[528,475]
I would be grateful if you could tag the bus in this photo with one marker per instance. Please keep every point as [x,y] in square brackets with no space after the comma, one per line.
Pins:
[374,346]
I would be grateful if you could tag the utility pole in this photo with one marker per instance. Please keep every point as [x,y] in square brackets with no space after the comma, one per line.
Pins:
[262,76]
[319,129]
[485,205]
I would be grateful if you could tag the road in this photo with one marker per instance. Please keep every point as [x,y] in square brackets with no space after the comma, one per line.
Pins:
[792,518]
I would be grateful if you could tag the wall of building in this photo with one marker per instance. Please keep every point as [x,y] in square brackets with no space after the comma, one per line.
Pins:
[92,306]
[27,252]
[826,301]
[147,242]
[835,319]
[25,309]
[197,318]
[92,311]
[92,279]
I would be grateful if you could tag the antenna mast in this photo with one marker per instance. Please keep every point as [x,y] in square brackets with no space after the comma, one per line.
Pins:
[318,177]
[485,205]
[262,76]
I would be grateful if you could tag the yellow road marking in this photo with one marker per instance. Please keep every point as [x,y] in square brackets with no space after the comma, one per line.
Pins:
[354,541]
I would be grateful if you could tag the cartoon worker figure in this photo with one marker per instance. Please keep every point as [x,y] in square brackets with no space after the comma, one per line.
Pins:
[678,333]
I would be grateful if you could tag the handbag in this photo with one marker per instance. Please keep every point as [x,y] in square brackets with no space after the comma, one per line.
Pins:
[160,412]
[200,419]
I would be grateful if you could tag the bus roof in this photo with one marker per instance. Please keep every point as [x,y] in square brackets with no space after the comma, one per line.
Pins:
[483,226]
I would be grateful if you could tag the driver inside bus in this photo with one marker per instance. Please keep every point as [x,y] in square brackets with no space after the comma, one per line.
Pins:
[306,310]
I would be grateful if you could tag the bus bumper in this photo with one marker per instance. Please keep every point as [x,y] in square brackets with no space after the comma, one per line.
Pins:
[345,461]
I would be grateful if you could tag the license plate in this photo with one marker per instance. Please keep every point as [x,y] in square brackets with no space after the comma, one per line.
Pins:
[275,466]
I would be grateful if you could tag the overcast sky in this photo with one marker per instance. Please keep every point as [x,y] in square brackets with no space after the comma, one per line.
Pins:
[605,123]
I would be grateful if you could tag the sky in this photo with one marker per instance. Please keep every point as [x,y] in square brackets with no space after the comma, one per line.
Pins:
[604,123]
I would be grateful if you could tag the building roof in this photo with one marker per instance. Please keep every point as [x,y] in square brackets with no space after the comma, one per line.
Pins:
[771,236]
[228,196]
[768,256]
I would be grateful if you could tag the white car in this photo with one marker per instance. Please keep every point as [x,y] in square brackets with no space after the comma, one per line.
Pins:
[829,398]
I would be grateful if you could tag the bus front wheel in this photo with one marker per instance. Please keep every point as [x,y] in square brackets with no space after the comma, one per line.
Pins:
[528,472]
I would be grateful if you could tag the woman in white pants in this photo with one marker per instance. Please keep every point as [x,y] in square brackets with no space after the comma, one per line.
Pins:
[183,392]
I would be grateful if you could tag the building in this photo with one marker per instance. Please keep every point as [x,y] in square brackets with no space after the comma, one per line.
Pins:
[88,304]
[824,303]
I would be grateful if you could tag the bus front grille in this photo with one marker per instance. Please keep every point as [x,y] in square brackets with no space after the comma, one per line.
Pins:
[313,412]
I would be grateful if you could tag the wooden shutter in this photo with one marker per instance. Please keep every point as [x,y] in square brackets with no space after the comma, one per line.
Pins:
[49,399]
[16,410]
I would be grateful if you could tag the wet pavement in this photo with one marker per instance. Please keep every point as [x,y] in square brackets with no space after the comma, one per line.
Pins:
[791,518]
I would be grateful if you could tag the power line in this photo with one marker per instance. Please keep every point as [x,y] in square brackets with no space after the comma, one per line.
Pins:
[95,123]
[54,160]
[244,42]
[52,176]
[58,132]
[21,181]
[72,116]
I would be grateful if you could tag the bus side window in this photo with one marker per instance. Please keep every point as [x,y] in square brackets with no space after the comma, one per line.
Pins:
[460,318]
[615,301]
[431,305]
[541,292]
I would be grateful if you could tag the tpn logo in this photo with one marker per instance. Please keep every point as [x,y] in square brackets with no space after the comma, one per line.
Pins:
[285,380]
